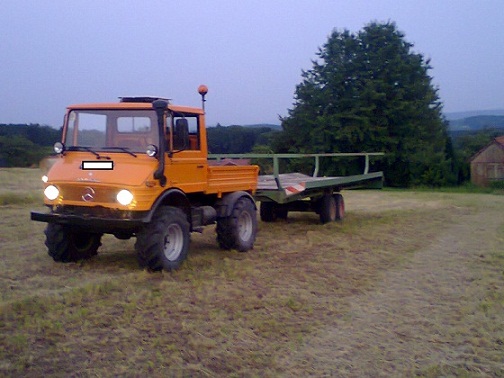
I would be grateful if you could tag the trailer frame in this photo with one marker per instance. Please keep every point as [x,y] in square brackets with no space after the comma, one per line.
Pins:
[280,193]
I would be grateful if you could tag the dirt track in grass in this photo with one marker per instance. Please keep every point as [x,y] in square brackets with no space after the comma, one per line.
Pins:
[430,316]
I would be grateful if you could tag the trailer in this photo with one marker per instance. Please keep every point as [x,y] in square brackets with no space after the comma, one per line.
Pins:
[281,193]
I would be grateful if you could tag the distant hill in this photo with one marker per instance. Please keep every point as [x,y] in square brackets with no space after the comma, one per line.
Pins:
[476,123]
[258,126]
[473,113]
[269,125]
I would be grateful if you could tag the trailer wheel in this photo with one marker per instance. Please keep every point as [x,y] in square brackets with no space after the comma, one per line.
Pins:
[340,206]
[327,209]
[267,212]
[238,231]
[164,242]
[270,211]
[281,211]
[66,244]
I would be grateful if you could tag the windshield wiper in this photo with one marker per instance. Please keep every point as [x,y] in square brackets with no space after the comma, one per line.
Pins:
[122,149]
[79,148]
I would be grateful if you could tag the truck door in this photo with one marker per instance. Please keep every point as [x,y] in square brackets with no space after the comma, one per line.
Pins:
[187,168]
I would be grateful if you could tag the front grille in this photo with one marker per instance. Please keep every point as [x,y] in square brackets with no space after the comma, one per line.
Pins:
[79,192]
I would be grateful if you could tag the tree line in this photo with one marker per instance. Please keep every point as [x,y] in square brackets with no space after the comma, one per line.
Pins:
[25,145]
[20,145]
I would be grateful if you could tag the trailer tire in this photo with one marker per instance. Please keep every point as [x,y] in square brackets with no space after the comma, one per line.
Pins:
[281,211]
[238,230]
[340,206]
[164,242]
[66,244]
[271,211]
[267,212]
[327,210]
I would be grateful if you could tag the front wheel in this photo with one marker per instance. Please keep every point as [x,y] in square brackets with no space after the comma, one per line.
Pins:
[164,242]
[66,244]
[238,231]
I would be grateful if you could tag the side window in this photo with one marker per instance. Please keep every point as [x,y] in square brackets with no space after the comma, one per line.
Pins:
[193,139]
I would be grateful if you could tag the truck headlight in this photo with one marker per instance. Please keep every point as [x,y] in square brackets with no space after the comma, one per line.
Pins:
[124,197]
[51,192]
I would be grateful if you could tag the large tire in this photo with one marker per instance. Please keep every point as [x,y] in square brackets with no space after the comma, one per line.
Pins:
[327,210]
[340,206]
[66,244]
[238,231]
[164,242]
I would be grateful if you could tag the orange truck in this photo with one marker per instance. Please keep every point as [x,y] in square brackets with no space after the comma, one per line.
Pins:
[139,167]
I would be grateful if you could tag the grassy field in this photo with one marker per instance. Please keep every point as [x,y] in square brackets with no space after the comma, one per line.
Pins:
[296,305]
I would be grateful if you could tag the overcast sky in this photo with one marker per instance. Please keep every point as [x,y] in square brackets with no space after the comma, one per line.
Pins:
[249,53]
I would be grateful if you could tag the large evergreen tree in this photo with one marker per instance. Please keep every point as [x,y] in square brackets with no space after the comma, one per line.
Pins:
[369,92]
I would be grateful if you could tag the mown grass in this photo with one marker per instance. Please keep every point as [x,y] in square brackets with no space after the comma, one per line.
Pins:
[496,188]
[20,186]
[223,313]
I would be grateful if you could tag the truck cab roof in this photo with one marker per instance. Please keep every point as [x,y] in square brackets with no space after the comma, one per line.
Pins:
[141,105]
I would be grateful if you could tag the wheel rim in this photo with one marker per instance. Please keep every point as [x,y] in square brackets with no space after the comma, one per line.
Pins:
[173,242]
[245,226]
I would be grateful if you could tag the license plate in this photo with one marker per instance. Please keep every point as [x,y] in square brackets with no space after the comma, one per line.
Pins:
[98,165]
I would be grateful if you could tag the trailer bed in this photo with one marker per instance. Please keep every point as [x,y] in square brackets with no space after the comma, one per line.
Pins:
[288,187]
[281,193]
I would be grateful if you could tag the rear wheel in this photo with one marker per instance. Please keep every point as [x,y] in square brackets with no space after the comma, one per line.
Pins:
[327,209]
[164,242]
[66,244]
[238,231]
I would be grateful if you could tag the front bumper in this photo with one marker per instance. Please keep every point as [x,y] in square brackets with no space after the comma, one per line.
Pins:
[128,222]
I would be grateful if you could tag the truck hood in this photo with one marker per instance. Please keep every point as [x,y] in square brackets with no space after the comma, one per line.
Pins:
[120,169]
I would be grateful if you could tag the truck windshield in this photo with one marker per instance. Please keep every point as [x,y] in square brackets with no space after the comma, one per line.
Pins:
[112,130]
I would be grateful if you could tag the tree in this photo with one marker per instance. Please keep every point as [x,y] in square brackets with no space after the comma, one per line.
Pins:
[369,92]
[40,135]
